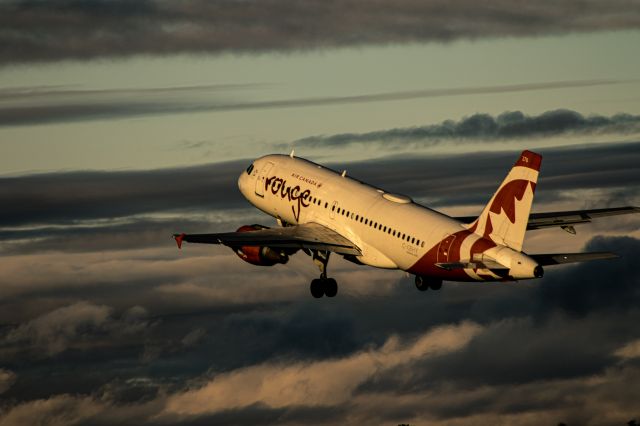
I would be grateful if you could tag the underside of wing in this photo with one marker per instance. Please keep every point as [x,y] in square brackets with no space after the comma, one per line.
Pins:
[561,258]
[310,236]
[566,219]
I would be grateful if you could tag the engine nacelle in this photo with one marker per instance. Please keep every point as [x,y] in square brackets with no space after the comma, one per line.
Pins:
[260,255]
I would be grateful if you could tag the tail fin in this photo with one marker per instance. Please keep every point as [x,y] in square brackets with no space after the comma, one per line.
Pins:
[504,219]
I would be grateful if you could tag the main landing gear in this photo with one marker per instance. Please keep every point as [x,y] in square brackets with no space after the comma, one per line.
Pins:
[425,283]
[322,286]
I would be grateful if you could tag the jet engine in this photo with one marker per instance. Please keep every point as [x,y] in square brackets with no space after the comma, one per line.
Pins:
[260,255]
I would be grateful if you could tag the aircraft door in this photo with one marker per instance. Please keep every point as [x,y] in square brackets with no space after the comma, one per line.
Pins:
[260,180]
[334,207]
[445,247]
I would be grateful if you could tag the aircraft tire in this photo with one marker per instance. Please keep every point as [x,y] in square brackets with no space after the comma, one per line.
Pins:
[317,288]
[434,284]
[330,287]
[421,283]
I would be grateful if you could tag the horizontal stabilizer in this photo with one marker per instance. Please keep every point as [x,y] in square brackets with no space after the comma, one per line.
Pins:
[561,258]
[485,264]
[565,219]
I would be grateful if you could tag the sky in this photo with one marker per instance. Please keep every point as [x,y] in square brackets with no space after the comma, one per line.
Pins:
[124,122]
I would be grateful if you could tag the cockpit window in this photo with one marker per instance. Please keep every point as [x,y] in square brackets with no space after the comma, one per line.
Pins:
[249,169]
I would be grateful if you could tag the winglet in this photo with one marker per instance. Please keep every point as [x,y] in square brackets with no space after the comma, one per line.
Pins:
[179,238]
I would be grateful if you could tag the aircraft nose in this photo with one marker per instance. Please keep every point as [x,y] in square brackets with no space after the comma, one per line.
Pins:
[242,183]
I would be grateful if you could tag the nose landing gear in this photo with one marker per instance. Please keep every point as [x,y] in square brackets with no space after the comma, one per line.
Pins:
[322,286]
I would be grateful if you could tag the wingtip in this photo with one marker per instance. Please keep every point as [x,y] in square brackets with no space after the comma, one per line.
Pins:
[179,238]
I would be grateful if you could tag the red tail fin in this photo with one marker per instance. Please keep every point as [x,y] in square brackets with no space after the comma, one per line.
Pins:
[504,219]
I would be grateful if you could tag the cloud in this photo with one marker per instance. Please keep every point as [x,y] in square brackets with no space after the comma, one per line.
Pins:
[554,349]
[330,390]
[56,411]
[629,351]
[484,127]
[7,379]
[64,197]
[308,384]
[589,286]
[24,106]
[72,325]
[67,29]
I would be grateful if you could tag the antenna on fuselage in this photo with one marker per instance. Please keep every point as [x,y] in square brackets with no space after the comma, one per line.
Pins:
[344,173]
[292,152]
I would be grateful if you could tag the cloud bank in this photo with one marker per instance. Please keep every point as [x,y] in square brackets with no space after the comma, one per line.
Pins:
[484,127]
[41,105]
[66,29]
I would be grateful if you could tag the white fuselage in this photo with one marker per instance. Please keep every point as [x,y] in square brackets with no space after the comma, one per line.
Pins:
[391,231]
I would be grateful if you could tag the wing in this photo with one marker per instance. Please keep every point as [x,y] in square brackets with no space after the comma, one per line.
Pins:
[311,236]
[566,219]
[560,258]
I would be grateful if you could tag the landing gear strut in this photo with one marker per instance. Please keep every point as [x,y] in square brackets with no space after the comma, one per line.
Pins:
[425,283]
[322,286]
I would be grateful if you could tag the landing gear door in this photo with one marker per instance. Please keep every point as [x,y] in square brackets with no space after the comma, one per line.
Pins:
[444,248]
[260,180]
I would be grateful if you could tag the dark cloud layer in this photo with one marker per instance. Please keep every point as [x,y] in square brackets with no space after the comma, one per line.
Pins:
[80,211]
[590,286]
[34,30]
[509,125]
[533,350]
[32,106]
[65,197]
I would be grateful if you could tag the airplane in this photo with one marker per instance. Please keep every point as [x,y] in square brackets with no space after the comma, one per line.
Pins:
[320,211]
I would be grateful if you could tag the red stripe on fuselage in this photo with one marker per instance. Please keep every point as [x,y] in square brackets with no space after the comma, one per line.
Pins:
[426,266]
